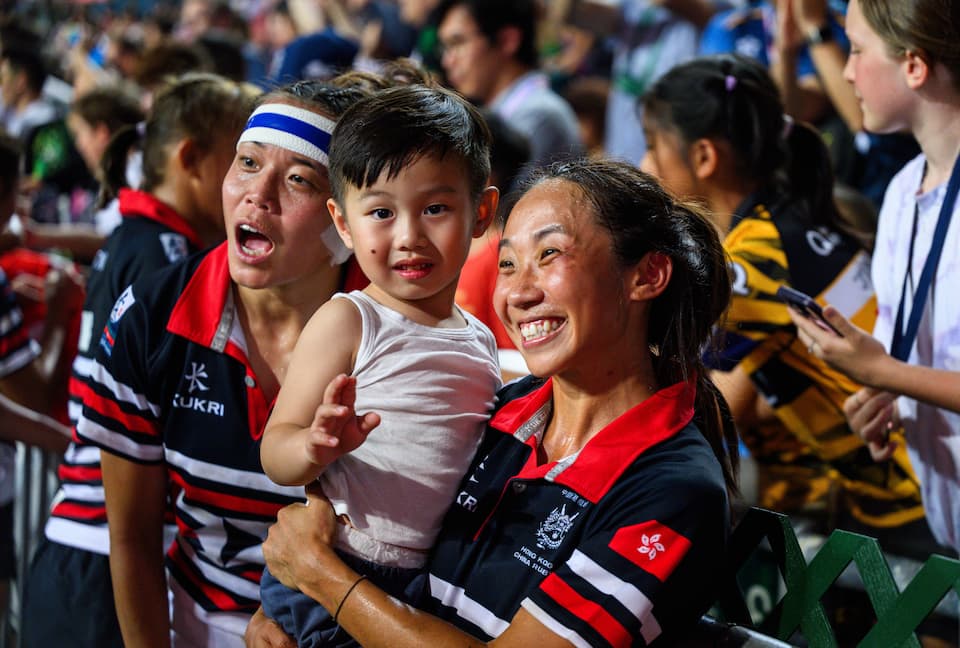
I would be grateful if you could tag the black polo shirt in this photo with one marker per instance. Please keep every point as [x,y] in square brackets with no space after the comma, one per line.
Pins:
[616,545]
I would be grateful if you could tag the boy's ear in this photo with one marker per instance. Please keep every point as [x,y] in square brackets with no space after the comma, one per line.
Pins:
[703,158]
[486,210]
[650,277]
[340,222]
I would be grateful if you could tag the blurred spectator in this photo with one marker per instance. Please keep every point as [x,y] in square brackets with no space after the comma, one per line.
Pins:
[588,98]
[650,37]
[22,74]
[167,61]
[490,56]
[93,119]
[422,16]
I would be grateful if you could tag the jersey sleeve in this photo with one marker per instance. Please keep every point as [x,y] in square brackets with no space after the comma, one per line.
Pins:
[119,412]
[17,350]
[640,571]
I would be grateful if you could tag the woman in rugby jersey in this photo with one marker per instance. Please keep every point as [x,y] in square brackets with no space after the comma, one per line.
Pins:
[187,367]
[596,509]
[187,145]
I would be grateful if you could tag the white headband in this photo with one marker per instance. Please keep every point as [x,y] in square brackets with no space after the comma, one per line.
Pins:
[292,128]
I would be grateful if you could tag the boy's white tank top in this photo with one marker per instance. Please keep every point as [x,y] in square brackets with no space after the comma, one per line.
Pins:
[434,389]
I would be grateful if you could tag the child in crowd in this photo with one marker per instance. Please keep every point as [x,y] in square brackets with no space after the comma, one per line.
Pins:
[905,67]
[188,143]
[716,131]
[408,169]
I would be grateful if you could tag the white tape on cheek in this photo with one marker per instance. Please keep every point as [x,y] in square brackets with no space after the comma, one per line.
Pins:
[339,252]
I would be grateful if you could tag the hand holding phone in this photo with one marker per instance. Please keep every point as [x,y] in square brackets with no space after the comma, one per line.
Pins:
[806,306]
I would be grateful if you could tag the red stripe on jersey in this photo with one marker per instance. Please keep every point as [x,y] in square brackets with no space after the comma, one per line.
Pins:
[110,409]
[80,512]
[194,494]
[217,595]
[79,474]
[651,546]
[74,388]
[588,611]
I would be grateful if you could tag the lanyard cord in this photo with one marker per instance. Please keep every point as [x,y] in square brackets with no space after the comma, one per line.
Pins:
[903,340]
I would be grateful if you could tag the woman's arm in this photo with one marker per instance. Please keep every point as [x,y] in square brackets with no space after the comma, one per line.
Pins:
[313,421]
[136,496]
[863,358]
[298,553]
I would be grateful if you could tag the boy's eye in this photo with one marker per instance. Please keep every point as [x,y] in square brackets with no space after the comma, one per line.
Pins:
[505,264]
[380,214]
[246,162]
[433,210]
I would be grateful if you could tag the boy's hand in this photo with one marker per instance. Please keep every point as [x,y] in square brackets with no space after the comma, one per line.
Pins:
[336,428]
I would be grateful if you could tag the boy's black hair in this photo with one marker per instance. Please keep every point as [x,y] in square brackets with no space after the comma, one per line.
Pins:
[10,160]
[391,129]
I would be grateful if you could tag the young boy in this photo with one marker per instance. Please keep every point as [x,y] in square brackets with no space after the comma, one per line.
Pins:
[408,170]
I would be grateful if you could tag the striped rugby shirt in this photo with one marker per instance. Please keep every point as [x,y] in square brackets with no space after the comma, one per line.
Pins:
[772,245]
[171,383]
[151,236]
[614,546]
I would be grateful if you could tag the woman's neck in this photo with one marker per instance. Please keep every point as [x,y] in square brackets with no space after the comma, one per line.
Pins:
[294,302]
[722,201]
[272,319]
[205,230]
[582,408]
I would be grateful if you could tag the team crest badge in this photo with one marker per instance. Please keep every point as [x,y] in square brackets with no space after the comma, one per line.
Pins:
[554,528]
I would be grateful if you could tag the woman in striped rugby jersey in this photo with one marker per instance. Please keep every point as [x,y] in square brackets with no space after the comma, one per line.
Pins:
[595,511]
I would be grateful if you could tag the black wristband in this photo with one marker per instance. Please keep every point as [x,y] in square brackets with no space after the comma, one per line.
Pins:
[345,596]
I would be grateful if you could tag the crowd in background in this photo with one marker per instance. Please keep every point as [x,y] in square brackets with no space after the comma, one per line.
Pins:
[749,108]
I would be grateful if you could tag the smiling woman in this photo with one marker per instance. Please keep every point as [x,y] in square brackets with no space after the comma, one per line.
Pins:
[595,511]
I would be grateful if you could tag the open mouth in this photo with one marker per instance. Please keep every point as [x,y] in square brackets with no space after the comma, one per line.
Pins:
[539,329]
[252,241]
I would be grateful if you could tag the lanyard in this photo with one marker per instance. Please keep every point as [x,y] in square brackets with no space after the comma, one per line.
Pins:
[903,340]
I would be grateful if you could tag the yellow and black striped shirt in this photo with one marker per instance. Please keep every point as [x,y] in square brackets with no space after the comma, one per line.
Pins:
[773,247]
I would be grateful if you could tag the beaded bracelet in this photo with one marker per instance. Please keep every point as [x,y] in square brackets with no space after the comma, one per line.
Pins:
[345,596]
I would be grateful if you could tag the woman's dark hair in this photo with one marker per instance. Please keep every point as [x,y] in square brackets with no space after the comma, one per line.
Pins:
[388,130]
[111,106]
[641,217]
[203,107]
[733,98]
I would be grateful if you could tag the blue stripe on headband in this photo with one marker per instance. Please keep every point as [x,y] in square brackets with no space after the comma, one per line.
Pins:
[292,125]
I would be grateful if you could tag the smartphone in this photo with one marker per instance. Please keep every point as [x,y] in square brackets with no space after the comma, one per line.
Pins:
[806,306]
